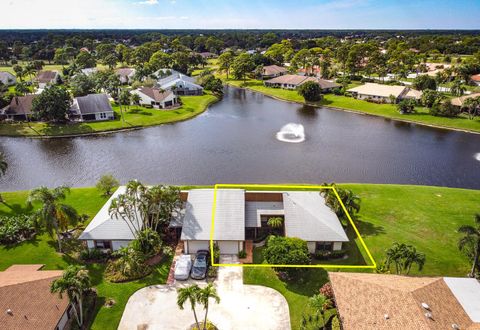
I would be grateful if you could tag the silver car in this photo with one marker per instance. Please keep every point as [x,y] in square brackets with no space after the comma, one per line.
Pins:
[183,267]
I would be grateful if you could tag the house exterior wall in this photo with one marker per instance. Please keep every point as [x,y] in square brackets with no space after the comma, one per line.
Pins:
[372,97]
[144,99]
[108,115]
[337,246]
[226,247]
[90,244]
[191,247]
[229,247]
[116,245]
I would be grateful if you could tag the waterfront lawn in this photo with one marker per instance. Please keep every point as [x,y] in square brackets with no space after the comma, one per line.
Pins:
[135,117]
[421,116]
[41,250]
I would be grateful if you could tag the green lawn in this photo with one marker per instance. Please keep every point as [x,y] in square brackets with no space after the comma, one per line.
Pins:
[421,116]
[135,117]
[54,67]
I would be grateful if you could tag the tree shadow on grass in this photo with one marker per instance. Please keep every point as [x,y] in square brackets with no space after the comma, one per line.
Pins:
[33,241]
[368,229]
[308,281]
[138,111]
[16,209]
[66,129]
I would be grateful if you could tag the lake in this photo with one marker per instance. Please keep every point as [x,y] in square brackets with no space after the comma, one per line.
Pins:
[234,142]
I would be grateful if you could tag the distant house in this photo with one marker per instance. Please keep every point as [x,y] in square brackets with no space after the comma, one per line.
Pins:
[272,71]
[180,84]
[207,55]
[459,101]
[89,71]
[292,81]
[26,301]
[315,71]
[126,75]
[476,79]
[20,108]
[156,98]
[7,78]
[381,302]
[92,107]
[383,93]
[46,78]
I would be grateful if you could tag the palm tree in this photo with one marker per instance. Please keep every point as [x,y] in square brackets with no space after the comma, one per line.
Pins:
[190,293]
[275,222]
[55,215]
[75,281]
[472,104]
[320,304]
[136,99]
[413,257]
[404,256]
[457,88]
[204,297]
[470,242]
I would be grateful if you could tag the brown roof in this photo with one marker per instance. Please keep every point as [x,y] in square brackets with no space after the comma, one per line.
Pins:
[155,93]
[475,77]
[46,76]
[458,101]
[270,70]
[377,301]
[298,80]
[25,290]
[21,105]
[124,72]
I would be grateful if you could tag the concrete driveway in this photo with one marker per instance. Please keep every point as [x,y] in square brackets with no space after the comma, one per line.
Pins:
[241,306]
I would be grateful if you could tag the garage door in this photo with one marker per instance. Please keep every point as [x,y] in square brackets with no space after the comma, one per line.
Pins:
[194,246]
[228,247]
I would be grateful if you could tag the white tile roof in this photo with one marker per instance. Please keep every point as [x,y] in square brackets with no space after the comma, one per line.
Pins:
[467,292]
[229,215]
[103,227]
[309,218]
[375,89]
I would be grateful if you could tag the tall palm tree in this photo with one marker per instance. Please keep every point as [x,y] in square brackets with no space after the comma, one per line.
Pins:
[204,298]
[320,304]
[470,242]
[55,215]
[190,293]
[75,281]
[412,256]
[472,105]
[404,256]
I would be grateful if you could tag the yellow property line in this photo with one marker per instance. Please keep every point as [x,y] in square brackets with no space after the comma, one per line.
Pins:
[245,186]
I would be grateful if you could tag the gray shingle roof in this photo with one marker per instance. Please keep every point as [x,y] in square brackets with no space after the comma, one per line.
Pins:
[309,218]
[94,103]
[253,210]
[103,227]
[229,215]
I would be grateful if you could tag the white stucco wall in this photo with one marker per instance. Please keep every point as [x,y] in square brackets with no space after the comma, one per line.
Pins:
[90,244]
[191,247]
[144,99]
[119,244]
[228,247]
[337,246]
[311,247]
[109,116]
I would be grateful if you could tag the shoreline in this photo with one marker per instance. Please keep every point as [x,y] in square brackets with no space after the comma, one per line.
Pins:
[449,128]
[112,131]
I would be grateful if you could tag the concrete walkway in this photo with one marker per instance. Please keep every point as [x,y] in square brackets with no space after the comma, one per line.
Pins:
[241,306]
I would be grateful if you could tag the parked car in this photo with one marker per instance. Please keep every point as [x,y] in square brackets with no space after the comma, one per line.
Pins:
[200,265]
[183,267]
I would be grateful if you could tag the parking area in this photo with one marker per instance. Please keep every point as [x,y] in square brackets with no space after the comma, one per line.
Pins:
[241,306]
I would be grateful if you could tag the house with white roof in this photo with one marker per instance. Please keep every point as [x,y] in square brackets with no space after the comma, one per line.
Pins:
[179,83]
[383,93]
[7,78]
[240,215]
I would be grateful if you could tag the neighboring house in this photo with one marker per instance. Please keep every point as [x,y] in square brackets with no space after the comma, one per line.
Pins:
[26,301]
[293,81]
[315,71]
[105,232]
[126,75]
[242,215]
[272,71]
[208,55]
[46,78]
[92,107]
[156,98]
[180,84]
[20,108]
[89,71]
[459,101]
[475,79]
[7,78]
[382,93]
[378,301]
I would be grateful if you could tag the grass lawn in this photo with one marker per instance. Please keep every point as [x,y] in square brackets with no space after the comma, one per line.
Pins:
[134,117]
[421,116]
[41,250]
[54,67]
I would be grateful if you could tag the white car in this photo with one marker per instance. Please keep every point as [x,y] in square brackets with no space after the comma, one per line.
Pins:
[183,267]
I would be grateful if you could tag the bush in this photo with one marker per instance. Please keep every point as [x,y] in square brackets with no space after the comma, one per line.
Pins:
[106,184]
[365,80]
[336,323]
[216,253]
[327,290]
[94,255]
[424,82]
[338,91]
[242,254]
[311,91]
[129,266]
[286,251]
[212,272]
[148,243]
[445,109]
[406,106]
[17,228]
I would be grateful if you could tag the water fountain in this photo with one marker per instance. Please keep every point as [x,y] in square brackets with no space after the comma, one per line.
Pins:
[292,133]
[477,156]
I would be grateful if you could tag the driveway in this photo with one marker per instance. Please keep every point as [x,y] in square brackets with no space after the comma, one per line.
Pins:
[241,306]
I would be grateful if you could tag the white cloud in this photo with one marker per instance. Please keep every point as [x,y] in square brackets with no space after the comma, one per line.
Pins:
[148,2]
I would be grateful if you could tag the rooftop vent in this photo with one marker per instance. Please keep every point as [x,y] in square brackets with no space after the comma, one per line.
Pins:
[9,311]
[386,317]
[425,306]
[429,315]
[455,326]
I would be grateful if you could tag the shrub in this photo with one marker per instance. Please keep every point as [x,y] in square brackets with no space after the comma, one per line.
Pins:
[129,266]
[365,80]
[336,323]
[148,242]
[424,82]
[17,228]
[216,253]
[338,91]
[445,109]
[106,184]
[286,251]
[311,91]
[212,272]
[327,290]
[406,106]
[93,255]
[242,254]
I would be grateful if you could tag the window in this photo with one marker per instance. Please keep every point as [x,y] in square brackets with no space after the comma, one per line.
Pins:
[103,244]
[324,246]
[103,115]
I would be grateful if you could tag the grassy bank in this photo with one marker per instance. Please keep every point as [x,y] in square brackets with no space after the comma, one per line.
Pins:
[421,116]
[135,117]
[426,217]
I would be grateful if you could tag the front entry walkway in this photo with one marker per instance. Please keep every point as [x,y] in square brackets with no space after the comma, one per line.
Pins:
[241,306]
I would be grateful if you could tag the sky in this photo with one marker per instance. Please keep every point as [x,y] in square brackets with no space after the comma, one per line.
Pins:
[240,14]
